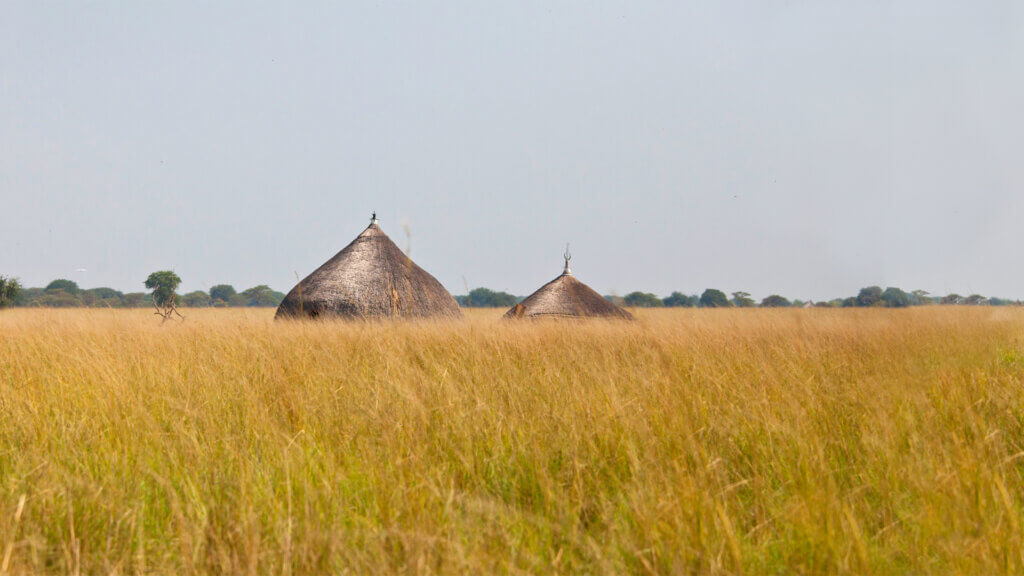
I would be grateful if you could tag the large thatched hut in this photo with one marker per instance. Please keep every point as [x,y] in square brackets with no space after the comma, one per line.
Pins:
[369,278]
[566,297]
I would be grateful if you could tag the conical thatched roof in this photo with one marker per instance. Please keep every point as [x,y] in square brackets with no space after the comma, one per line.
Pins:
[566,296]
[370,278]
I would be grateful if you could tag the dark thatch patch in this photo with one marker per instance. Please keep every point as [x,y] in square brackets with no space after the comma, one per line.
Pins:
[566,297]
[370,278]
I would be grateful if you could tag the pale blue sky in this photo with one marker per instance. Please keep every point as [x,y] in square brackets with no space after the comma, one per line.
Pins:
[800,148]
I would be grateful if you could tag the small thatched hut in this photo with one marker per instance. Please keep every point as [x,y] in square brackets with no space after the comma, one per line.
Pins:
[369,278]
[566,296]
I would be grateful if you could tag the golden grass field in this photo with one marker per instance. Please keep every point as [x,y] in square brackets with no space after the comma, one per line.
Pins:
[690,441]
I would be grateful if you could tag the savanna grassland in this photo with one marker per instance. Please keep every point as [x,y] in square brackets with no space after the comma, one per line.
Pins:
[690,441]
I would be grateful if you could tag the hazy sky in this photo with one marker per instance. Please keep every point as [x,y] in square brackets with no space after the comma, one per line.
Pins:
[801,148]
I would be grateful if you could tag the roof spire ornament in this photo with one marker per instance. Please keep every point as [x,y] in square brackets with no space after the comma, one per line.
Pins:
[567,256]
[373,218]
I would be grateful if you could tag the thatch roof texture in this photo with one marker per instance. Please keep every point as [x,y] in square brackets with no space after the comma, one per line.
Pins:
[566,296]
[369,278]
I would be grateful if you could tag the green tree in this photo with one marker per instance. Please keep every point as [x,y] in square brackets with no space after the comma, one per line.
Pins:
[222,292]
[869,296]
[895,298]
[163,284]
[196,299]
[10,291]
[487,298]
[62,284]
[951,299]
[60,299]
[742,300]
[136,300]
[712,298]
[87,298]
[30,297]
[775,301]
[100,297]
[920,298]
[261,295]
[238,301]
[678,299]
[976,300]
[104,293]
[643,300]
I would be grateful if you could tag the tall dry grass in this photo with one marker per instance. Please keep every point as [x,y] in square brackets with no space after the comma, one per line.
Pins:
[712,441]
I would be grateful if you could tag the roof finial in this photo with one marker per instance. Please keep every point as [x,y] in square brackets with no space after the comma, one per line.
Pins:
[373,218]
[567,256]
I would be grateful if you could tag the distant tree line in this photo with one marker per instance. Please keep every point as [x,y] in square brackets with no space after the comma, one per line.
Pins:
[870,297]
[62,293]
[486,298]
